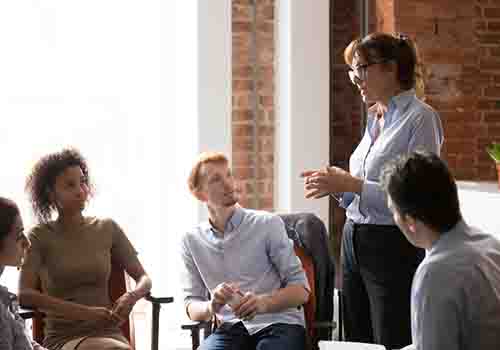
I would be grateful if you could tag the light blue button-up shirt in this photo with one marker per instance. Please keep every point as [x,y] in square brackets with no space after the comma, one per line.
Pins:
[409,124]
[455,297]
[254,251]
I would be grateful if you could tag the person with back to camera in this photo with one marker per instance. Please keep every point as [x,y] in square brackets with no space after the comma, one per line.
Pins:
[13,245]
[378,263]
[455,297]
[71,258]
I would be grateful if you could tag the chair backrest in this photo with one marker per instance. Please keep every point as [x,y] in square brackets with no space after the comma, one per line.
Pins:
[311,245]
[117,286]
[310,306]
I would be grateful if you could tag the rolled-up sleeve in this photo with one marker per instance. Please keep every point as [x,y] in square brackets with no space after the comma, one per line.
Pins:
[193,288]
[427,134]
[281,253]
[345,199]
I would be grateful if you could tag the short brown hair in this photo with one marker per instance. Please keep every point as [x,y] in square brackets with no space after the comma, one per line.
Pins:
[195,176]
[383,46]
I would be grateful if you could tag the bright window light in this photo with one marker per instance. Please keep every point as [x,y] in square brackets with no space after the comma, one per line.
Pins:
[118,80]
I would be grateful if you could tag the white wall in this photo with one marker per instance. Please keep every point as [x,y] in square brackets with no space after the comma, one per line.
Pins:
[479,203]
[214,67]
[302,118]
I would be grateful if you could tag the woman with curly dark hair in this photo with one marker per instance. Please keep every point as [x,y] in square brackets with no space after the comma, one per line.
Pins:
[70,258]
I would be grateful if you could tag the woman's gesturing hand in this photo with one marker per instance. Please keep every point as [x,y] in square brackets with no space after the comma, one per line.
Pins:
[315,185]
[320,183]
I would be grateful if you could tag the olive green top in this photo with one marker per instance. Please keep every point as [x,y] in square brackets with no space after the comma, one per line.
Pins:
[75,266]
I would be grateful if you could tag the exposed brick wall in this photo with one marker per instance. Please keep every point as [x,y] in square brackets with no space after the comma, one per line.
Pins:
[345,101]
[253,100]
[383,16]
[488,39]
[459,41]
[345,111]
[444,31]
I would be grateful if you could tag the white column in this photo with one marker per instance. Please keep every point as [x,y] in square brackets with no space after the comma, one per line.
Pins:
[302,96]
[214,69]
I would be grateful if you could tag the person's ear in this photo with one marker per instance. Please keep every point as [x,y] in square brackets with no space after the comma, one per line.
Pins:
[411,223]
[390,67]
[201,195]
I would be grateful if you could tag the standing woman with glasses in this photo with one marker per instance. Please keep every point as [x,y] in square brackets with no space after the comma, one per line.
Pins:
[13,244]
[378,262]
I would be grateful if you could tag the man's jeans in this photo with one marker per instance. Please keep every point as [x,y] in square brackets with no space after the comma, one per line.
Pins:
[278,336]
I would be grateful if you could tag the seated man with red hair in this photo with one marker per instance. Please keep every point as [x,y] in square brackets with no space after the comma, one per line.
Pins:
[245,261]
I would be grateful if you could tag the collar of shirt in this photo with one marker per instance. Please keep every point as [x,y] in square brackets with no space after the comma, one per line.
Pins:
[449,236]
[232,223]
[398,102]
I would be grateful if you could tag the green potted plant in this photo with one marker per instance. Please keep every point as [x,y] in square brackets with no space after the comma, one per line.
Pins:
[494,152]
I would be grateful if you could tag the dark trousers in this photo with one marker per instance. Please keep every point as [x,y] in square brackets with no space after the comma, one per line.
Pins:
[278,336]
[378,268]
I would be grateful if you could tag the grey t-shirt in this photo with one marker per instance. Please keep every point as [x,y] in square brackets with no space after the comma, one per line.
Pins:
[456,293]
[254,252]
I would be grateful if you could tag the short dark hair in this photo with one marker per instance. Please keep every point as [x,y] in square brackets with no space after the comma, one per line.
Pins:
[42,179]
[8,213]
[421,186]
[382,46]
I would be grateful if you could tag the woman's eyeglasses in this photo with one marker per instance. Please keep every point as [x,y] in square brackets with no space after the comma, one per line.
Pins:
[358,74]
